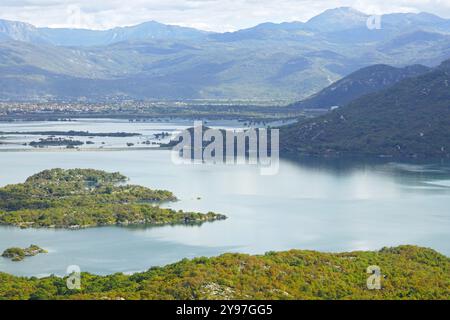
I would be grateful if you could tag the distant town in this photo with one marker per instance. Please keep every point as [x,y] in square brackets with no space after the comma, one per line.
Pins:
[138,110]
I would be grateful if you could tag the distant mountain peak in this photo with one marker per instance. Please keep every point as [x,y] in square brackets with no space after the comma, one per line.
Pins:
[5,22]
[273,25]
[15,26]
[20,31]
[343,10]
[338,19]
[150,30]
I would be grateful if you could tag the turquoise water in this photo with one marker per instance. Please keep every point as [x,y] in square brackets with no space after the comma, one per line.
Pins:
[307,205]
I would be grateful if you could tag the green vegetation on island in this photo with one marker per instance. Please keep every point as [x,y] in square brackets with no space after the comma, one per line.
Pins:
[56,142]
[18,254]
[407,272]
[80,198]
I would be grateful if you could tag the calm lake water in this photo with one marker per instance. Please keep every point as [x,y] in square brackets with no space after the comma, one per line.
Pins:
[307,205]
[146,131]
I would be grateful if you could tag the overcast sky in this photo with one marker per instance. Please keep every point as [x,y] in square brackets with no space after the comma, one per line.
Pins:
[212,15]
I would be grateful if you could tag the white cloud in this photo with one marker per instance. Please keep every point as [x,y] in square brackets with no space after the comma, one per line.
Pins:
[214,15]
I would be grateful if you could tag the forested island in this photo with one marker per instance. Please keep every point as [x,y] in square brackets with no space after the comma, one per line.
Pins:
[80,198]
[18,254]
[56,142]
[407,272]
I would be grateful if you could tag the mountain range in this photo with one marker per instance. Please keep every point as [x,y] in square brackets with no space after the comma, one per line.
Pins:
[152,30]
[287,61]
[408,119]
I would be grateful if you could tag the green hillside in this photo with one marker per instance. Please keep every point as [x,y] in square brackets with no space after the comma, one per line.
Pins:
[359,83]
[408,272]
[411,119]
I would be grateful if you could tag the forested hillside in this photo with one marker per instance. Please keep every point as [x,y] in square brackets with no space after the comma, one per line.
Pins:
[407,272]
[411,119]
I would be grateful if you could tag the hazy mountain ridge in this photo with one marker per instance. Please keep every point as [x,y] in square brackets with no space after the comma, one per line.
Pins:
[330,22]
[410,119]
[20,31]
[151,30]
[288,61]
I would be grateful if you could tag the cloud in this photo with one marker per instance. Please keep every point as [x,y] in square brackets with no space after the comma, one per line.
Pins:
[213,15]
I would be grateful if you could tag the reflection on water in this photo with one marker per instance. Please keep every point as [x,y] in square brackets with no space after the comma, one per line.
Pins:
[309,204]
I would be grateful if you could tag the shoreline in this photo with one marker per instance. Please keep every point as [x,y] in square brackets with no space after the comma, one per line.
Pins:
[215,256]
[84,150]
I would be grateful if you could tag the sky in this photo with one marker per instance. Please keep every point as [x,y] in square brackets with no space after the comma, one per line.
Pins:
[210,15]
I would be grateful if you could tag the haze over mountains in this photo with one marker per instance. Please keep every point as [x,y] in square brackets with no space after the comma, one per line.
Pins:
[83,37]
[288,61]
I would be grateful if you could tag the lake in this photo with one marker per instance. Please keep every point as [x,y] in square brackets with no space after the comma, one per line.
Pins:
[309,204]
[11,141]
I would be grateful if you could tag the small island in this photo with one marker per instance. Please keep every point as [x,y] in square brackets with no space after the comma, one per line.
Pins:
[81,198]
[73,133]
[56,142]
[18,254]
